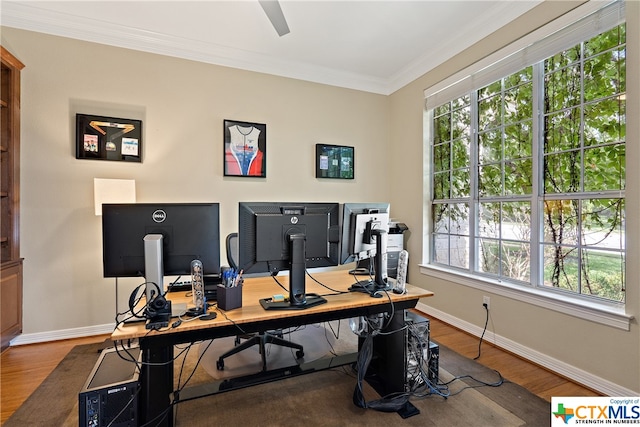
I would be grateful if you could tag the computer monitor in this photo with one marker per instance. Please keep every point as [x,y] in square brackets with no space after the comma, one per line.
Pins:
[277,236]
[365,227]
[177,233]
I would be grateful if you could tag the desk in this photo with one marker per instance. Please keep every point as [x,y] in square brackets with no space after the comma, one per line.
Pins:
[156,377]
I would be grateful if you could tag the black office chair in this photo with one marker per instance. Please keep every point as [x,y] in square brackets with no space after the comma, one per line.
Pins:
[260,339]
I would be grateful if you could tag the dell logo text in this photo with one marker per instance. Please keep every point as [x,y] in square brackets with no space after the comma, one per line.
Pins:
[159,215]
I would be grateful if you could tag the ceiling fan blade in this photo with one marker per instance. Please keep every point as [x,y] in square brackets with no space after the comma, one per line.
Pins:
[274,13]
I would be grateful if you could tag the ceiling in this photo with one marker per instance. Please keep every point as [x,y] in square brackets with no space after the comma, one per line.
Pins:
[375,46]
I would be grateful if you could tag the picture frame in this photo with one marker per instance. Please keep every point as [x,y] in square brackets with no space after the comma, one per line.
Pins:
[335,161]
[108,138]
[245,149]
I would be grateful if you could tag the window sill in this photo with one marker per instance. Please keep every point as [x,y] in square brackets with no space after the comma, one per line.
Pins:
[610,315]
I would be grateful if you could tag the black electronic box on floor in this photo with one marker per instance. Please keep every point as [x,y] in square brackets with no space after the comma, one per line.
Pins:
[109,397]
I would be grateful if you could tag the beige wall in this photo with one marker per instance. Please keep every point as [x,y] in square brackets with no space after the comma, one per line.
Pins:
[605,352]
[183,104]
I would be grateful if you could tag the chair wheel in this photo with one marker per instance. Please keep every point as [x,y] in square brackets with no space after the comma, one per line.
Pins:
[299,354]
[220,365]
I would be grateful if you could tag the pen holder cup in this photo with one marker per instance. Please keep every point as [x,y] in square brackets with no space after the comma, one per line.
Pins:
[229,298]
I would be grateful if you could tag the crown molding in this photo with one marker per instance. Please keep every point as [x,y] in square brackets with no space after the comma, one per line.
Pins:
[25,17]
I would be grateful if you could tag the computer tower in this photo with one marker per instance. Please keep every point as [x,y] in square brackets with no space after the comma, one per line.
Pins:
[422,354]
[109,396]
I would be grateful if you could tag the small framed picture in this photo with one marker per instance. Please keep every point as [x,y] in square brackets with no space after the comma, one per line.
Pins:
[245,149]
[108,138]
[334,161]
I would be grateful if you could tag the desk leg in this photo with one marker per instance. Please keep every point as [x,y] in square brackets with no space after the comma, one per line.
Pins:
[390,352]
[387,371]
[156,381]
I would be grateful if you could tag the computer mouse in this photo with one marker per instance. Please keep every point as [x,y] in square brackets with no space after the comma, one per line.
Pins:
[376,294]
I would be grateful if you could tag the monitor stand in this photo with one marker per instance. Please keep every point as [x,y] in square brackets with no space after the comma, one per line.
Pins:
[298,298]
[311,301]
[380,281]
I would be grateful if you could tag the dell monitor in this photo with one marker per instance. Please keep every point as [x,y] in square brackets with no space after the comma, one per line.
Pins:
[365,227]
[275,236]
[151,240]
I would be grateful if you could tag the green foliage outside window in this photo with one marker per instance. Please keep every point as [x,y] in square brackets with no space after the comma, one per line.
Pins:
[488,138]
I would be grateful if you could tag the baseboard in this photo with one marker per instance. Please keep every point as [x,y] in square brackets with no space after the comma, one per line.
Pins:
[561,368]
[62,334]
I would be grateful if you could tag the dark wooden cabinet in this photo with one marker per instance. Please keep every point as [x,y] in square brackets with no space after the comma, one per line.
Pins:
[11,263]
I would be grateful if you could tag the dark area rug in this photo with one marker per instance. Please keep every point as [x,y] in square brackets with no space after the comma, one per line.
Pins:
[318,399]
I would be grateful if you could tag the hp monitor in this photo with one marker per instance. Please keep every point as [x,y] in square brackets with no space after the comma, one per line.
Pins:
[276,236]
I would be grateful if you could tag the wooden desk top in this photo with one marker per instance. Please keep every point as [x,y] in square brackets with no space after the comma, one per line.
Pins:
[264,287]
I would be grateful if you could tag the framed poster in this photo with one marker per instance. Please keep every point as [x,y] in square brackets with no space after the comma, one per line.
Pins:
[334,161]
[108,138]
[245,149]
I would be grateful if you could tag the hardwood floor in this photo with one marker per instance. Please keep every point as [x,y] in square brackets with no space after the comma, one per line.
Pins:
[534,378]
[23,368]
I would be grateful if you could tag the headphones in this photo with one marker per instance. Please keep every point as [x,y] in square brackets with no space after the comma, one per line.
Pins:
[157,305]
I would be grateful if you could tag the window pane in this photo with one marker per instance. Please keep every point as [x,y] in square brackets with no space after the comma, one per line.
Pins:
[441,218]
[605,121]
[603,223]
[518,103]
[562,172]
[518,177]
[562,88]
[489,112]
[441,159]
[562,59]
[516,259]
[561,221]
[441,109]
[516,221]
[441,249]
[459,214]
[605,41]
[604,168]
[491,90]
[489,225]
[603,75]
[561,267]
[442,129]
[518,78]
[489,256]
[460,123]
[603,274]
[460,183]
[441,185]
[489,147]
[459,251]
[562,131]
[518,140]
[490,178]
[461,152]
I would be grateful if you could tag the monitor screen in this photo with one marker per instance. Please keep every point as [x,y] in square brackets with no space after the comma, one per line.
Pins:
[358,220]
[365,228]
[275,236]
[189,231]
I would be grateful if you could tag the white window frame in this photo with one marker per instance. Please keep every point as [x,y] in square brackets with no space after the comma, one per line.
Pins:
[554,37]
